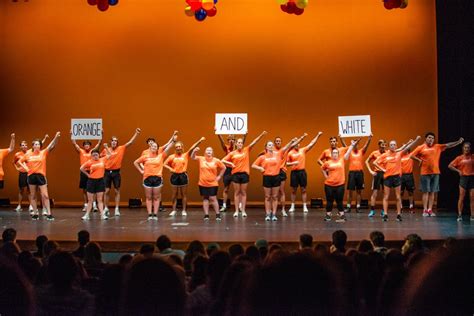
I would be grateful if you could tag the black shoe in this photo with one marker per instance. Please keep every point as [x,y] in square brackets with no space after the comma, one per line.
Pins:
[385,218]
[327,218]
[35,217]
[206,217]
[49,217]
[218,217]
[399,218]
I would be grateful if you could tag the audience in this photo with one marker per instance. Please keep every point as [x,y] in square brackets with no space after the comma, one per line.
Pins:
[40,241]
[163,243]
[339,239]
[378,241]
[83,237]
[306,242]
[9,235]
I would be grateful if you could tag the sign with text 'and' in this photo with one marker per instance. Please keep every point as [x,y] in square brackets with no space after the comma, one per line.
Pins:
[354,126]
[231,123]
[86,128]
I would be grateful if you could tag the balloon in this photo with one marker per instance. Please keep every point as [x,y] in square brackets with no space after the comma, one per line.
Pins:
[102,5]
[188,11]
[207,4]
[301,4]
[396,3]
[404,4]
[200,15]
[195,5]
[284,8]
[212,12]
[188,2]
[290,7]
[280,2]
[298,11]
[215,1]
[388,5]
[92,2]
[113,2]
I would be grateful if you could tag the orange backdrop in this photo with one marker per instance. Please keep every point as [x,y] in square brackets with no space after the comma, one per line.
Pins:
[145,64]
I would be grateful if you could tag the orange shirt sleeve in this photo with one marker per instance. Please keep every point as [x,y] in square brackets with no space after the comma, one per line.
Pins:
[259,160]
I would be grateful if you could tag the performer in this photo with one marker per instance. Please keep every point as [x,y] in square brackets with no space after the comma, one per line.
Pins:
[239,161]
[228,148]
[298,177]
[464,166]
[281,192]
[390,163]
[377,176]
[3,154]
[112,170]
[327,154]
[151,167]
[85,155]
[429,154]
[356,174]
[334,172]
[270,164]
[34,162]
[408,181]
[23,175]
[94,170]
[151,140]
[177,164]
[211,171]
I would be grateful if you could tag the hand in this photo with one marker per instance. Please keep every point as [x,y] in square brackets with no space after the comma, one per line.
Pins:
[218,178]
[262,169]
[294,139]
[197,149]
[410,141]
[461,139]
[175,133]
[418,137]
[355,141]
[384,170]
[371,135]
[203,139]
[46,136]
[320,133]
[13,135]
[231,165]
[264,133]
[138,131]
[373,173]
[305,134]
[57,134]
[142,171]
[106,145]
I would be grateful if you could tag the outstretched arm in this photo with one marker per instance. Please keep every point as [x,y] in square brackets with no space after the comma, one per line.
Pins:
[367,143]
[96,147]
[135,135]
[194,152]
[74,143]
[454,144]
[196,144]
[108,153]
[53,143]
[12,143]
[343,142]
[313,142]
[172,140]
[348,152]
[293,142]
[256,140]
[410,144]
[46,136]
[221,141]
[169,145]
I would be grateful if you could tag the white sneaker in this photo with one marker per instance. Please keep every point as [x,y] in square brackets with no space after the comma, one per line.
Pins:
[173,213]
[223,208]
[18,208]
[305,209]
[94,207]
[104,216]
[240,206]
[117,211]
[268,218]
[44,212]
[85,217]
[459,219]
[284,213]
[425,213]
[106,211]
[292,209]
[244,214]
[85,207]
[236,214]
[183,213]
[31,210]
[274,218]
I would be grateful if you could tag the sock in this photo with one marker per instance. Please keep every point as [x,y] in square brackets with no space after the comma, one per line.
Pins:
[304,205]
[358,206]
[411,205]
[293,205]
[224,205]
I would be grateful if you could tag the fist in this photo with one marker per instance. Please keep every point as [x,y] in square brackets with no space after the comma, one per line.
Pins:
[13,135]
[58,134]
[461,139]
[305,134]
[320,133]
[264,133]
[138,131]
[197,149]
[106,145]
[203,138]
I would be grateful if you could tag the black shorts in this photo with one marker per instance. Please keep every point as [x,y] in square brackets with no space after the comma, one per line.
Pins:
[377,181]
[1,184]
[153,182]
[240,177]
[466,182]
[113,176]
[23,180]
[83,181]
[392,181]
[208,191]
[298,178]
[356,180]
[179,179]
[282,175]
[95,185]
[271,181]
[408,182]
[227,176]
[37,179]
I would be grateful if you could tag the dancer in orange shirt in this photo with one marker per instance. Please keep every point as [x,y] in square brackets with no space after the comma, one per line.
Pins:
[3,154]
[464,166]
[408,180]
[377,174]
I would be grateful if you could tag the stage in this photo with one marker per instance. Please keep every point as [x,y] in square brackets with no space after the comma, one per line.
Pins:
[129,231]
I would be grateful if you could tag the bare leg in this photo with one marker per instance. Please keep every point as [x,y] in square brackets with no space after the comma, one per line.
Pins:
[106,197]
[45,197]
[184,196]
[349,198]
[462,195]
[431,198]
[303,195]
[425,200]
[85,196]
[293,195]
[373,198]
[156,199]
[282,195]
[243,195]
[225,194]
[99,196]
[90,198]
[410,198]
[236,196]
[386,195]
[149,200]
[268,200]
[471,195]
[33,202]
[213,202]
[117,197]
[399,200]
[274,197]
[358,197]
[205,205]
[174,197]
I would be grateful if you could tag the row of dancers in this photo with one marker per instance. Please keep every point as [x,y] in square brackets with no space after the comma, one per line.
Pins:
[391,169]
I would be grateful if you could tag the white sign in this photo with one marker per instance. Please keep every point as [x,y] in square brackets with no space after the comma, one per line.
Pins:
[231,123]
[354,126]
[86,128]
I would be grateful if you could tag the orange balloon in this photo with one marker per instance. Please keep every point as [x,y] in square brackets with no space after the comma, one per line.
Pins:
[207,4]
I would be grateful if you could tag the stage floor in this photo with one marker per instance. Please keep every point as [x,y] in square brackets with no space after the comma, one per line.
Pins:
[133,228]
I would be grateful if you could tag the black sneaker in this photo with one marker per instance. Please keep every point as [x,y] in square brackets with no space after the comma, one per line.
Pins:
[385,218]
[155,217]
[327,218]
[218,217]
[206,217]
[35,217]
[399,218]
[49,217]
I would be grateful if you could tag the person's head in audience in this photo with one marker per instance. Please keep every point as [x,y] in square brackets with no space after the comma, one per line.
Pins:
[147,250]
[83,237]
[339,239]
[30,265]
[163,242]
[9,235]
[261,243]
[306,241]
[62,270]
[126,260]
[152,287]
[199,272]
[212,248]
[253,253]
[377,238]
[92,254]
[365,246]
[16,291]
[413,243]
[50,247]
[40,241]
[274,247]
[235,250]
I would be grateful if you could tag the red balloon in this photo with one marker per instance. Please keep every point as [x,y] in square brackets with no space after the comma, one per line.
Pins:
[298,11]
[284,8]
[396,3]
[92,2]
[388,5]
[290,7]
[103,5]
[212,12]
[195,5]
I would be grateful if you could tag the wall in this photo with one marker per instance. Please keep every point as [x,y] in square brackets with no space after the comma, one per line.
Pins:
[145,64]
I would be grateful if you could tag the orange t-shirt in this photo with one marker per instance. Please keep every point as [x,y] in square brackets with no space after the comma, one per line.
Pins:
[391,162]
[374,155]
[84,156]
[152,165]
[356,160]
[326,154]
[240,159]
[36,162]
[17,158]
[336,172]
[96,168]
[179,162]
[407,164]
[298,155]
[116,157]
[208,171]
[465,163]
[3,153]
[270,162]
[430,157]
[228,149]
[147,151]
[283,159]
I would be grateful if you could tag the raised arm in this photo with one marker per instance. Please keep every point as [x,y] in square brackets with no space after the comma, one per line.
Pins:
[256,140]
[221,141]
[135,135]
[169,146]
[97,146]
[367,143]
[343,142]
[244,137]
[196,144]
[313,142]
[46,136]
[410,144]
[194,152]
[454,144]
[172,140]
[108,153]
[294,142]
[74,143]
[348,152]
[12,143]
[53,143]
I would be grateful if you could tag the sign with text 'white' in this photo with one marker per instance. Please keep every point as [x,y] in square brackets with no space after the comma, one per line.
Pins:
[354,126]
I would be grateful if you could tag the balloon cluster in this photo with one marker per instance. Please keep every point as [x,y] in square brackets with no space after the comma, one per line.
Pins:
[201,9]
[103,5]
[293,6]
[395,4]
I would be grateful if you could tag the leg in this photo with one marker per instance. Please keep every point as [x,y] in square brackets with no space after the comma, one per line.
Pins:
[205,205]
[106,197]
[349,198]
[303,195]
[358,198]
[33,202]
[462,195]
[386,195]
[274,198]
[90,198]
[431,198]
[214,203]
[373,198]
[471,196]
[243,196]
[174,197]
[282,195]
[225,196]
[184,196]
[340,199]
[117,198]
[45,197]
[410,199]
[156,192]
[99,197]
[293,199]
[85,196]
[236,197]
[268,200]
[425,200]
[399,200]
[329,199]
[149,200]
